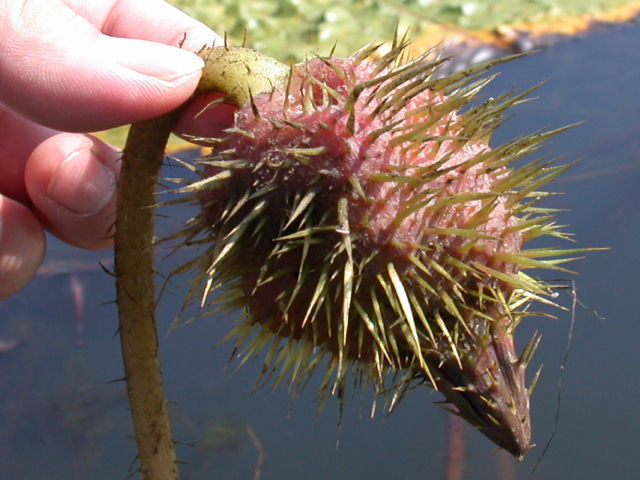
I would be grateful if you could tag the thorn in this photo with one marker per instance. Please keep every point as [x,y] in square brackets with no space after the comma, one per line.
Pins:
[529,350]
[534,382]
[254,107]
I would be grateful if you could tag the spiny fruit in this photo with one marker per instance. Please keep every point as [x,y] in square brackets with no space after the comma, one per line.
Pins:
[357,213]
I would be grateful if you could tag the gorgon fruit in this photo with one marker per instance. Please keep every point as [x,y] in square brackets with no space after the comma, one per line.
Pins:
[358,215]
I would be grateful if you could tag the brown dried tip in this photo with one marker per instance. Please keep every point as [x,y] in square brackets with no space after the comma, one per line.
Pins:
[365,225]
[490,392]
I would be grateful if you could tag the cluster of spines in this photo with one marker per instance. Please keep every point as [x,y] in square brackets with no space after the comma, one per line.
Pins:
[418,329]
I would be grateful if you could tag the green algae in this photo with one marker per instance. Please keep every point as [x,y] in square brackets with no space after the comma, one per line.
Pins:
[291,30]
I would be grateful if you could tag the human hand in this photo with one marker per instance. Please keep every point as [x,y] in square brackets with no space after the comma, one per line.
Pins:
[79,66]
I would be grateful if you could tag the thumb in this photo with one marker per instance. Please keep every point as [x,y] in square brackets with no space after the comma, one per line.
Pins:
[58,70]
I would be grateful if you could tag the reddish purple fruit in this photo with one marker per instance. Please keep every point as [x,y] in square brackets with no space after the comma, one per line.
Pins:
[366,226]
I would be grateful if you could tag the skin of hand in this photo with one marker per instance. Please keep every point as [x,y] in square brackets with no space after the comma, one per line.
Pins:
[77,66]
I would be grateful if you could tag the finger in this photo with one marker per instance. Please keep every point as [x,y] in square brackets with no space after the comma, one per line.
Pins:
[71,180]
[205,117]
[59,70]
[22,245]
[18,138]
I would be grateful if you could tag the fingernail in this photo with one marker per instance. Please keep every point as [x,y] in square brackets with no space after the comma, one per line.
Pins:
[156,60]
[82,183]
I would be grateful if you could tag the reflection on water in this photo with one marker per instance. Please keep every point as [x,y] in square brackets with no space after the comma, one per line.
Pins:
[61,418]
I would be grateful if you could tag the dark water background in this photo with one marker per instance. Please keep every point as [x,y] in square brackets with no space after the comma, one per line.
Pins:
[59,418]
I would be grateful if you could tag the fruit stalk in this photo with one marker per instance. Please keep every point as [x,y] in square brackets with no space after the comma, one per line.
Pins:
[134,262]
[141,163]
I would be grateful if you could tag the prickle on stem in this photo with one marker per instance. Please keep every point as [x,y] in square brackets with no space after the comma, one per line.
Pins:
[358,215]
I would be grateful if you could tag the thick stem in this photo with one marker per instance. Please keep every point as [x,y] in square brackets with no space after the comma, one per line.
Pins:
[241,73]
[141,162]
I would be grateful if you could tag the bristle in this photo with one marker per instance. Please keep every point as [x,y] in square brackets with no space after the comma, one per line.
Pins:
[534,381]
[530,349]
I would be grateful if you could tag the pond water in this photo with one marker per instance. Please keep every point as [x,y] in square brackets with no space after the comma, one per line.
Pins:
[61,418]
